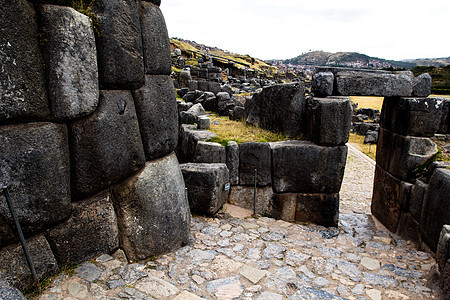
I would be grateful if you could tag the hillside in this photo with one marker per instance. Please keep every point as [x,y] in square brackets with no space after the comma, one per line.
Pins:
[440,75]
[431,62]
[347,59]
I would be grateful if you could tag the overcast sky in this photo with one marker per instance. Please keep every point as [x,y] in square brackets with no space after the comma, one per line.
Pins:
[280,29]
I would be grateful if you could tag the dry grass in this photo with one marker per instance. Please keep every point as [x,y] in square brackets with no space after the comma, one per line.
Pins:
[364,148]
[368,102]
[440,96]
[239,131]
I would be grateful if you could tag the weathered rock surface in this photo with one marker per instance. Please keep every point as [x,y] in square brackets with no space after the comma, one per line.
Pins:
[255,156]
[34,164]
[352,83]
[207,152]
[119,45]
[436,208]
[106,146]
[303,167]
[422,85]
[155,39]
[92,220]
[9,292]
[443,249]
[243,196]
[232,161]
[70,62]
[22,81]
[322,84]
[205,185]
[152,210]
[14,267]
[156,108]
[329,120]
[402,156]
[412,116]
[279,108]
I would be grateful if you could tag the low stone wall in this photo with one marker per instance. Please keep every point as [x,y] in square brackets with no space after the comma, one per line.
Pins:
[87,129]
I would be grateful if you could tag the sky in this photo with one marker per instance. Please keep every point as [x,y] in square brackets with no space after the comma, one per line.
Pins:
[281,29]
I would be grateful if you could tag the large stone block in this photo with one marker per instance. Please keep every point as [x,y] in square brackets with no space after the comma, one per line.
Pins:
[279,108]
[155,39]
[404,156]
[119,45]
[14,267]
[303,167]
[232,161]
[444,126]
[34,164]
[153,210]
[329,120]
[9,292]
[422,85]
[373,84]
[189,137]
[23,94]
[207,152]
[70,62]
[92,220]
[205,185]
[443,249]
[418,193]
[387,198]
[285,206]
[436,208]
[412,116]
[106,146]
[321,209]
[244,196]
[255,156]
[156,108]
[322,84]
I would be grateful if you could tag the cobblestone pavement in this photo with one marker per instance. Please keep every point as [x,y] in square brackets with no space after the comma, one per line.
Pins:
[235,256]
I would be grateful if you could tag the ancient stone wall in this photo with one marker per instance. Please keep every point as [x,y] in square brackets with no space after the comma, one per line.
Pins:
[88,127]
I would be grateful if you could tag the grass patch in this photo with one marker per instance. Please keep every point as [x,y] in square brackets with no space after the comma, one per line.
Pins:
[358,143]
[86,7]
[240,132]
[368,102]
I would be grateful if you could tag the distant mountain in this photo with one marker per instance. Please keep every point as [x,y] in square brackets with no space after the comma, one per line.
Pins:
[430,62]
[346,59]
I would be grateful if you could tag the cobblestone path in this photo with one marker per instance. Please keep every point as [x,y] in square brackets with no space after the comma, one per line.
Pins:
[235,256]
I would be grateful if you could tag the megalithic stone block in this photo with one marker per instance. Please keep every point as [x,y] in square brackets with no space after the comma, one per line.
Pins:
[156,108]
[419,117]
[155,39]
[152,210]
[119,45]
[232,161]
[106,146]
[422,85]
[329,120]
[255,156]
[207,152]
[323,84]
[23,92]
[70,62]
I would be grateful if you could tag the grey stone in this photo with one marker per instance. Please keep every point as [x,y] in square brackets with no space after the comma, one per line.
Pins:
[444,126]
[371,137]
[132,293]
[295,258]
[200,256]
[184,78]
[412,116]
[322,84]
[243,196]
[321,209]
[225,108]
[403,156]
[436,208]
[232,161]
[88,271]
[114,284]
[77,290]
[373,84]
[443,249]
[408,228]
[92,219]
[223,96]
[302,167]
[273,251]
[197,110]
[225,288]
[255,156]
[422,85]
[312,293]
[119,45]
[106,146]
[209,230]
[156,109]
[279,108]
[207,152]
[34,164]
[130,273]
[214,87]
[203,123]
[14,268]
[205,185]
[265,295]
[9,292]
[433,167]
[329,120]
[238,113]
[380,280]
[156,288]
[418,192]
[193,85]
[23,94]
[152,210]
[411,274]
[203,86]
[189,137]
[155,39]
[70,62]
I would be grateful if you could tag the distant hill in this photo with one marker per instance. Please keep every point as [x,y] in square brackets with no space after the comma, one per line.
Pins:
[440,76]
[346,59]
[430,62]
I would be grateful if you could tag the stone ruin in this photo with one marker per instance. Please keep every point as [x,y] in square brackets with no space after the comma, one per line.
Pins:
[89,125]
